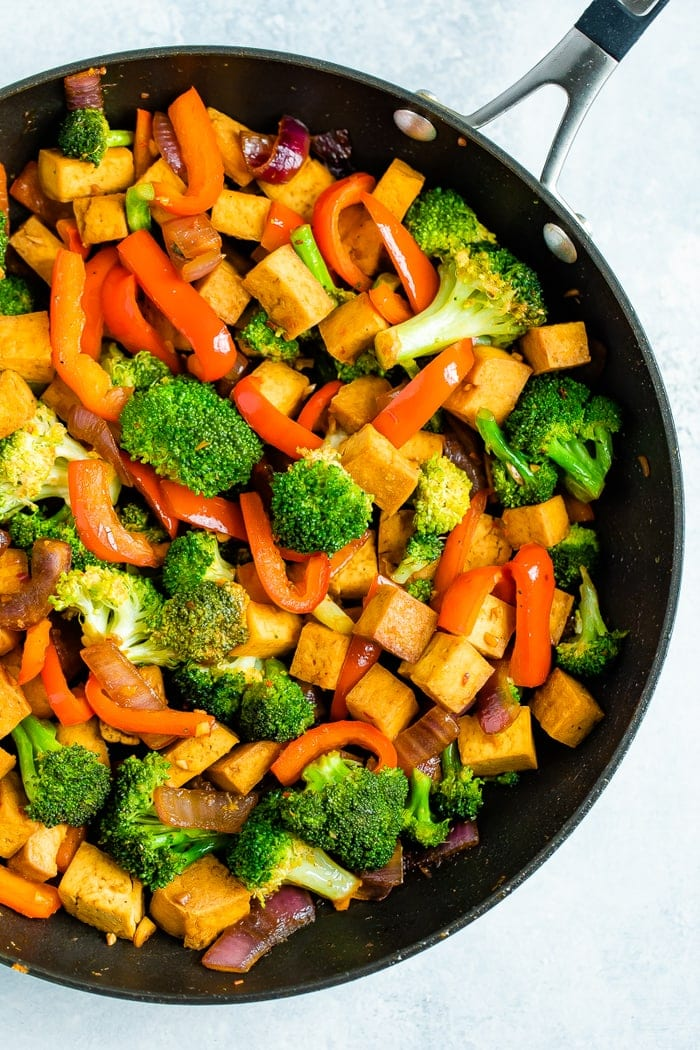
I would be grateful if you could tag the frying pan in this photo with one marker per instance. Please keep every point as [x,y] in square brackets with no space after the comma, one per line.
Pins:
[640,517]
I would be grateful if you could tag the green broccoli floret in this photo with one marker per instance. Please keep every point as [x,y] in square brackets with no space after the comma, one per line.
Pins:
[276,707]
[65,784]
[484,293]
[579,547]
[26,527]
[418,822]
[365,365]
[422,549]
[442,496]
[34,462]
[216,688]
[16,297]
[265,856]
[421,589]
[443,223]
[457,795]
[516,482]
[556,417]
[192,557]
[189,434]
[593,646]
[259,338]
[137,518]
[139,370]
[131,832]
[348,810]
[204,623]
[317,506]
[84,134]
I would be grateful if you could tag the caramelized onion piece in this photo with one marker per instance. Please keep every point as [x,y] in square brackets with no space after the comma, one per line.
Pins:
[120,678]
[463,835]
[378,884]
[84,90]
[4,540]
[166,140]
[425,738]
[89,428]
[496,707]
[241,945]
[221,811]
[19,611]
[194,246]
[277,158]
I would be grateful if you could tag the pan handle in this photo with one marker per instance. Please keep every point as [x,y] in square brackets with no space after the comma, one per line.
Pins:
[580,64]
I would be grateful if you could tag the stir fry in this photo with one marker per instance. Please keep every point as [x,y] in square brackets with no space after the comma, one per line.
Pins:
[297,526]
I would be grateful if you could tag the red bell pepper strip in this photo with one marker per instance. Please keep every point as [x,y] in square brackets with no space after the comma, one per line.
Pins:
[125,321]
[271,425]
[79,371]
[4,199]
[162,721]
[96,520]
[201,155]
[143,134]
[214,350]
[151,488]
[67,230]
[301,596]
[465,596]
[331,736]
[456,548]
[425,393]
[34,900]
[392,306]
[362,654]
[312,413]
[416,272]
[280,223]
[96,269]
[533,573]
[213,513]
[69,709]
[325,225]
[36,642]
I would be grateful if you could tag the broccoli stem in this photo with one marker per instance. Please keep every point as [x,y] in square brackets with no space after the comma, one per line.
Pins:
[592,624]
[304,244]
[32,737]
[496,444]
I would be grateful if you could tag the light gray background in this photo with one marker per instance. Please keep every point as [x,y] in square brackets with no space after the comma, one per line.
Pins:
[598,948]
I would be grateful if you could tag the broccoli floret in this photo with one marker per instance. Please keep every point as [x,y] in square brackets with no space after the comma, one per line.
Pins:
[422,589]
[418,821]
[265,856]
[317,506]
[276,707]
[365,365]
[216,688]
[442,496]
[259,338]
[422,549]
[204,623]
[16,297]
[516,482]
[193,557]
[458,793]
[139,370]
[65,784]
[136,518]
[348,810]
[484,292]
[579,547]
[189,434]
[556,417]
[84,134]
[132,833]
[593,646]
[443,223]
[28,526]
[34,462]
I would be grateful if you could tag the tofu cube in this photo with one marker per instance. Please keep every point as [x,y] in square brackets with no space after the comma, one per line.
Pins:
[192,755]
[200,902]
[319,656]
[240,215]
[227,132]
[13,705]
[489,545]
[450,672]
[379,468]
[352,582]
[96,890]
[37,859]
[88,735]
[101,218]
[565,709]
[8,640]
[272,632]
[555,346]
[288,292]
[160,171]
[382,700]
[7,762]
[398,622]
[545,523]
[281,384]
[223,289]
[493,628]
[356,403]
[562,604]
[37,246]
[488,754]
[495,381]
[422,446]
[351,327]
[301,191]
[14,570]
[397,189]
[17,402]
[15,825]
[392,537]
[244,766]
[64,178]
[25,346]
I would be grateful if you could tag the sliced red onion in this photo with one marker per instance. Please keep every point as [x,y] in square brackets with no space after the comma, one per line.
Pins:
[166,140]
[84,90]
[192,243]
[277,159]
[463,835]
[221,811]
[496,708]
[19,611]
[4,540]
[425,738]
[91,429]
[120,678]
[241,945]
[334,149]
[377,885]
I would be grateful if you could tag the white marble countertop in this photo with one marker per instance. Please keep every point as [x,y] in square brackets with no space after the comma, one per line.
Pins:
[538,969]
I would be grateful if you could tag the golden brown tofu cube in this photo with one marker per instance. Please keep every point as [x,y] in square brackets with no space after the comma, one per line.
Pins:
[351,327]
[451,672]
[495,381]
[37,698]
[161,172]
[25,346]
[319,656]
[64,178]
[37,246]
[301,191]
[396,189]
[240,215]
[271,632]
[281,384]
[17,402]
[422,446]
[244,766]
[223,289]
[192,755]
[562,605]
[7,762]
[8,640]
[555,346]
[488,754]
[96,890]
[101,218]
[493,628]
[288,292]
[14,570]
[489,546]
[15,825]
[88,735]
[545,523]
[13,705]
[352,582]
[200,902]
[37,859]
[356,403]
[247,576]
[392,536]
[382,700]
[379,468]
[398,622]
[227,132]
[565,709]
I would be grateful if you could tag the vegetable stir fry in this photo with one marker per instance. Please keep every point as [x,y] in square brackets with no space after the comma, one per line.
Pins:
[298,540]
